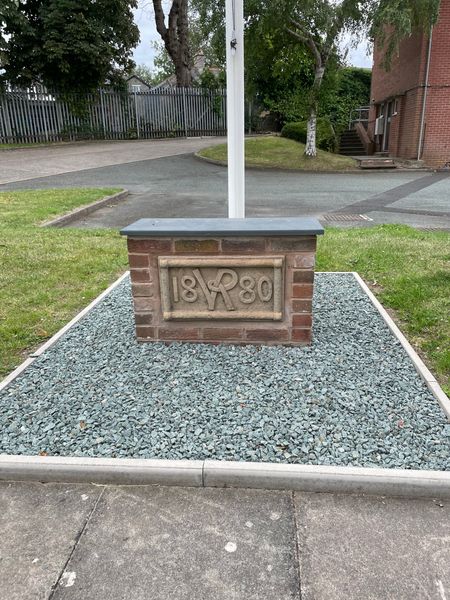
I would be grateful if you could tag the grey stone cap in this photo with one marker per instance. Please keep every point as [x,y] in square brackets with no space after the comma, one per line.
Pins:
[288,226]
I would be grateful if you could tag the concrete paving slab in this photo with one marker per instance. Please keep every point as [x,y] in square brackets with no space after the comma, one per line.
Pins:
[39,525]
[174,543]
[373,548]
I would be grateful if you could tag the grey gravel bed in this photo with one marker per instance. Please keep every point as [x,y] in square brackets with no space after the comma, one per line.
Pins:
[352,398]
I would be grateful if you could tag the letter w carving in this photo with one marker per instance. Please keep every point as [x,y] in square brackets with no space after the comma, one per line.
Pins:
[217,286]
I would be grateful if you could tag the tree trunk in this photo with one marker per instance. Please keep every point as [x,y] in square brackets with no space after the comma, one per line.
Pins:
[183,75]
[176,38]
[183,61]
[311,131]
[310,148]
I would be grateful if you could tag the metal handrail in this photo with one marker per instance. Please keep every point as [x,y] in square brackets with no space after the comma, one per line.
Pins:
[360,111]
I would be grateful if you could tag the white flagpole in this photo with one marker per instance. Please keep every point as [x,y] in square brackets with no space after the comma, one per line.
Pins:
[235,107]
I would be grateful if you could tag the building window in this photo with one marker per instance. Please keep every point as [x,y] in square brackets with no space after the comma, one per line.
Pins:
[135,88]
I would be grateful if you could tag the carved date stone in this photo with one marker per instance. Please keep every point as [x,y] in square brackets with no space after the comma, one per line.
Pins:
[222,288]
[233,281]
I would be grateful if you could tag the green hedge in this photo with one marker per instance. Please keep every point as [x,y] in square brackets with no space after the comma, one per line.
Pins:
[326,136]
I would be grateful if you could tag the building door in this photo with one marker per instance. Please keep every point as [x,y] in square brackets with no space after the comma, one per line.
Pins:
[388,109]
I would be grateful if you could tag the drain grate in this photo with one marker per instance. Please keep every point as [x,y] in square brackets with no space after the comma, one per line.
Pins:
[343,217]
[436,229]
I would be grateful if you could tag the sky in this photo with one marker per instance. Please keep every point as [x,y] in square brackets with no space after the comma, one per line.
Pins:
[144,53]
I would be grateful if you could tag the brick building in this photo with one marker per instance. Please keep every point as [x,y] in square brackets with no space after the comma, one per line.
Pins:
[413,98]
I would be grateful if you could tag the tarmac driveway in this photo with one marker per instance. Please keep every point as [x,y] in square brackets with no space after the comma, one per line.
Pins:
[166,180]
[43,161]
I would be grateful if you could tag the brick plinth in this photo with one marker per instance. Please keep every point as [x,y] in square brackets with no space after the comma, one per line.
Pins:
[297,254]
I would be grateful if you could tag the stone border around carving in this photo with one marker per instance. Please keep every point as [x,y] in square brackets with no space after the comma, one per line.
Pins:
[274,262]
[210,473]
[82,211]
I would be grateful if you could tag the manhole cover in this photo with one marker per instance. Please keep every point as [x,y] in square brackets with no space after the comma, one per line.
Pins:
[333,217]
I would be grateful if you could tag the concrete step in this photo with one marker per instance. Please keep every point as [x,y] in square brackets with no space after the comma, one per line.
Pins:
[376,163]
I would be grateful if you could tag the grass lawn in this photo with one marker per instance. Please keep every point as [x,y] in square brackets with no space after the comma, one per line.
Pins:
[272,151]
[409,271]
[47,275]
[14,146]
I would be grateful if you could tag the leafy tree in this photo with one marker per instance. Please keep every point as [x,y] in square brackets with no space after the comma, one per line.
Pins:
[163,67]
[317,27]
[349,89]
[145,73]
[211,81]
[198,43]
[289,71]
[70,45]
[390,21]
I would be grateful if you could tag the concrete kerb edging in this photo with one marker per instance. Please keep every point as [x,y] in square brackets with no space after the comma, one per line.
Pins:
[222,163]
[211,473]
[355,171]
[418,363]
[77,213]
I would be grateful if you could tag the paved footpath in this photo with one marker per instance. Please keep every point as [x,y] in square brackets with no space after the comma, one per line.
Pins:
[86,542]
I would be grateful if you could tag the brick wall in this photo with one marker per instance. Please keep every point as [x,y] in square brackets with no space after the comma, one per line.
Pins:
[406,72]
[436,145]
[405,81]
[295,327]
[409,125]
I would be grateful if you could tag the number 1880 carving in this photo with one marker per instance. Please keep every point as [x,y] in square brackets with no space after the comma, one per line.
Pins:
[221,288]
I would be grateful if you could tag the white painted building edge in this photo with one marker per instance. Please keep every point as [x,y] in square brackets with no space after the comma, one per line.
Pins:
[5,382]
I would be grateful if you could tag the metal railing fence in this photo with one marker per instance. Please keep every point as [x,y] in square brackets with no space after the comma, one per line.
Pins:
[41,116]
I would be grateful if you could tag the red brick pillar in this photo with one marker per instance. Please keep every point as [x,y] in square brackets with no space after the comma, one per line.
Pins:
[237,286]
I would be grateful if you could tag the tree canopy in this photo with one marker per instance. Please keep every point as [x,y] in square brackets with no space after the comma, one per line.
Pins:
[69,45]
[390,21]
[298,42]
